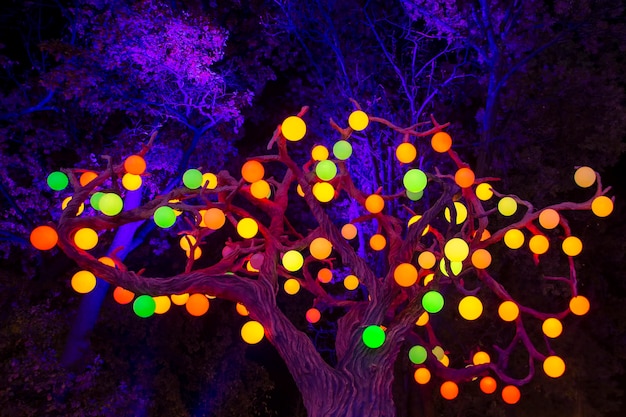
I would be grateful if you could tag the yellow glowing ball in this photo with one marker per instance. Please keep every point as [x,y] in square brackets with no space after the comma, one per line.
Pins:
[481,357]
[292,260]
[86,238]
[250,267]
[507,206]
[260,189]
[378,242]
[241,310]
[349,231]
[484,191]
[572,246]
[252,171]
[324,275]
[552,327]
[422,319]
[584,177]
[67,200]
[374,203]
[422,376]
[162,304]
[131,182]
[214,218]
[197,305]
[293,128]
[358,120]
[135,164]
[508,311]
[179,299]
[456,249]
[549,218]
[579,305]
[455,267]
[123,296]
[449,390]
[428,278]
[87,177]
[539,244]
[323,191]
[415,219]
[426,260]
[313,315]
[514,238]
[511,394]
[602,206]
[470,307]
[554,366]
[406,153]
[460,213]
[291,286]
[488,385]
[247,227]
[209,180]
[464,177]
[252,332]
[439,352]
[320,248]
[481,259]
[405,275]
[319,153]
[187,241]
[441,142]
[351,282]
[83,282]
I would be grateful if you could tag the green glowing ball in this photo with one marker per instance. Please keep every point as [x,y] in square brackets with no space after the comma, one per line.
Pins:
[415,180]
[417,354]
[414,196]
[144,306]
[342,150]
[111,204]
[432,301]
[164,217]
[373,336]
[192,178]
[95,200]
[326,170]
[57,180]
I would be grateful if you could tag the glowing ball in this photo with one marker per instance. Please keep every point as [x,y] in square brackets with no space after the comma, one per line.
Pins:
[186,242]
[414,196]
[514,238]
[485,235]
[481,259]
[405,275]
[342,150]
[460,213]
[378,242]
[192,179]
[508,311]
[135,164]
[44,237]
[507,206]
[432,301]
[422,320]
[162,304]
[313,315]
[406,153]
[292,260]
[422,376]
[247,228]
[95,200]
[320,248]
[251,268]
[488,385]
[553,366]
[324,275]
[131,182]
[214,218]
[438,352]
[351,282]
[252,332]
[418,354]
[111,204]
[179,299]
[256,260]
[293,128]
[572,246]
[164,217]
[374,203]
[358,120]
[83,282]
[552,327]
[57,180]
[86,238]
[242,310]
[549,218]
[426,259]
[87,177]
[415,180]
[122,295]
[464,177]
[260,189]
[209,180]
[579,305]
[349,231]
[449,390]
[480,358]
[144,306]
[510,394]
[197,305]
[484,191]
[252,171]
[602,206]
[584,177]
[107,261]
[291,286]
[299,190]
[470,307]
[455,268]
[326,170]
[428,279]
[319,153]
[456,249]
[539,244]
[323,191]
[373,336]
[441,142]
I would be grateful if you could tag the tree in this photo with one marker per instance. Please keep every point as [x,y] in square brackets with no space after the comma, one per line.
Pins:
[403,299]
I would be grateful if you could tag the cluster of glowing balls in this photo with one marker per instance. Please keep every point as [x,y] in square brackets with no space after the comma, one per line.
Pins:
[406,153]
[441,142]
[319,153]
[349,231]
[324,275]
[197,304]
[293,128]
[323,191]
[110,204]
[144,306]
[554,366]
[484,191]
[508,311]
[579,305]
[373,336]
[131,182]
[415,180]
[374,203]
[192,179]
[584,177]
[164,217]
[418,354]
[507,206]
[422,376]
[460,213]
[252,332]
[358,120]
[292,260]
[426,259]
[86,238]
[320,248]
[135,164]
[313,315]
[552,327]
[456,249]
[342,150]
[539,244]
[405,274]
[44,237]
[572,246]
[432,301]
[252,171]
[511,394]
[602,206]
[326,170]
[488,385]
[378,242]
[481,258]
[470,307]
[260,189]
[464,177]
[449,390]
[291,286]
[83,282]
[247,228]
[351,282]
[123,296]
[57,180]
[214,218]
[514,238]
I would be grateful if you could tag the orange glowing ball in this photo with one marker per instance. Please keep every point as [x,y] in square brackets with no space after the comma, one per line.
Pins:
[351,282]
[86,238]
[131,182]
[539,244]
[484,191]
[374,203]
[242,310]
[87,177]
[549,218]
[508,311]
[349,231]
[488,385]
[584,177]
[481,259]
[162,304]
[135,164]
[405,275]
[464,177]
[441,142]
[579,305]
[197,305]
[406,153]
[470,308]
[299,190]
[323,191]
[107,261]
[214,218]
[197,253]
[378,242]
[44,237]
[123,296]
[554,366]
[422,376]
[186,242]
[291,286]
[449,390]
[552,327]
[67,200]
[319,153]
[252,332]
[422,320]
[426,259]
[572,246]
[260,189]
[514,238]
[247,227]
[602,206]
[313,315]
[480,358]
[252,171]
[179,299]
[83,282]
[320,248]
[324,275]
[511,394]
[293,128]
